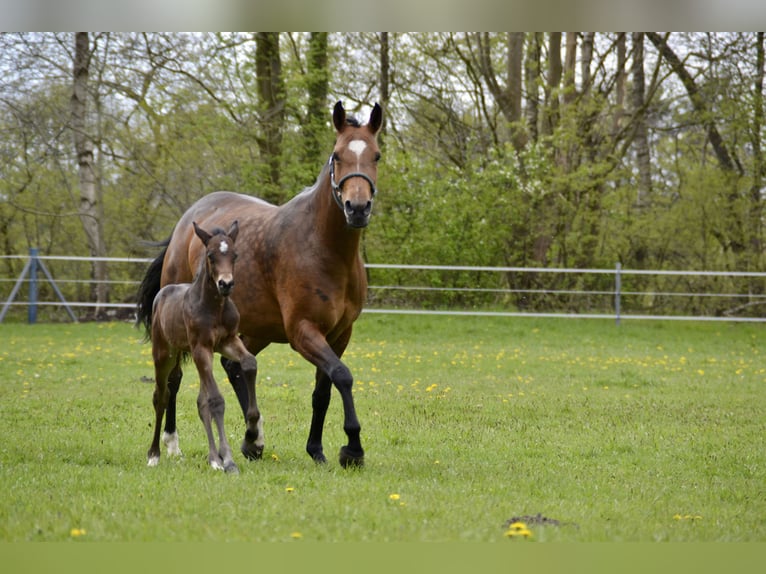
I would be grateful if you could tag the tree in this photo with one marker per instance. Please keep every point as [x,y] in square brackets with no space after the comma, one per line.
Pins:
[91,205]
[643,158]
[271,105]
[317,82]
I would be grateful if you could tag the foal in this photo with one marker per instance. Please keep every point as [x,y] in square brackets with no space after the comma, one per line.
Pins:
[198,318]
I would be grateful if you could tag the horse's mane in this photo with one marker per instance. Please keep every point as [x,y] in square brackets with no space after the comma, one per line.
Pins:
[353,122]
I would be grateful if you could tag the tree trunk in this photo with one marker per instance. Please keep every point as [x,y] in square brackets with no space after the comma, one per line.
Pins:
[532,80]
[513,85]
[317,83]
[91,208]
[698,101]
[551,110]
[641,140]
[385,72]
[271,96]
[587,59]
[756,200]
[570,61]
[619,89]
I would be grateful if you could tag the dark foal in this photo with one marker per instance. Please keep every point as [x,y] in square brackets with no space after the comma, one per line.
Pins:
[200,319]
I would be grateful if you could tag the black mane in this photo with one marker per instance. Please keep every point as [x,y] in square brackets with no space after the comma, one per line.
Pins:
[353,122]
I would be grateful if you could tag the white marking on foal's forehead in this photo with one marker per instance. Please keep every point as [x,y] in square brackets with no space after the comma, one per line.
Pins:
[357,146]
[224,247]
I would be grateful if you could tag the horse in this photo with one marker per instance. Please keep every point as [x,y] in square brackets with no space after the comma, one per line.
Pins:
[199,319]
[302,277]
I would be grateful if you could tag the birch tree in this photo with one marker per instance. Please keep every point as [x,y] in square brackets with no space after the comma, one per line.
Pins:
[91,206]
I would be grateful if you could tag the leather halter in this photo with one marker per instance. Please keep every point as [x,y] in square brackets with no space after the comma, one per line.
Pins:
[337,187]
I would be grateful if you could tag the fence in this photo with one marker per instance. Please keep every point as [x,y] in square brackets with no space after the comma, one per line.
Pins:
[618,294]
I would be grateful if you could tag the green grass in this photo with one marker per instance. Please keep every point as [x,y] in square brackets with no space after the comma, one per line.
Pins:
[652,431]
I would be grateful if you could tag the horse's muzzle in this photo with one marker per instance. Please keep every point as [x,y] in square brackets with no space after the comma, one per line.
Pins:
[225,287]
[357,214]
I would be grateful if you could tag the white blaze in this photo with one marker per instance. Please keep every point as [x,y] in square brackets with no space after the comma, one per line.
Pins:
[224,247]
[358,147]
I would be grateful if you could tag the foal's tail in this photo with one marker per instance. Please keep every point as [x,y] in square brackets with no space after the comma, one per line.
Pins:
[149,288]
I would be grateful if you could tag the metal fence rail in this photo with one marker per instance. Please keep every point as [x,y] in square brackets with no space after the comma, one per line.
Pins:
[618,294]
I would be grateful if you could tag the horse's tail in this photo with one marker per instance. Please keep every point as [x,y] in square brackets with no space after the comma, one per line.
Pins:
[148,290]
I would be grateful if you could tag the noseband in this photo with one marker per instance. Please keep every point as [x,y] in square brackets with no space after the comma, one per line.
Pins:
[337,187]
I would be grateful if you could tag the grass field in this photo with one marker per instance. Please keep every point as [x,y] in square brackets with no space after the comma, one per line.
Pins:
[651,431]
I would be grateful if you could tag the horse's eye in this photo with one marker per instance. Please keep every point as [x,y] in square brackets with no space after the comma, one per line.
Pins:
[377,157]
[234,258]
[335,156]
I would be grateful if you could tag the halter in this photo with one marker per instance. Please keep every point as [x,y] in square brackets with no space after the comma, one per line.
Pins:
[337,186]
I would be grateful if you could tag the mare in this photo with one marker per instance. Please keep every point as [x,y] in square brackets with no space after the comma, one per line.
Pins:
[302,278]
[199,319]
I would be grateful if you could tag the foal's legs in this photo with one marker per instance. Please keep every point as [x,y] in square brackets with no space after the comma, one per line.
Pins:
[162,366]
[242,373]
[210,405]
[170,434]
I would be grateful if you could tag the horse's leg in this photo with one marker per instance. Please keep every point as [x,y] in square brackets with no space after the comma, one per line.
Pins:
[320,401]
[314,347]
[252,444]
[238,382]
[170,434]
[242,374]
[162,366]
[210,405]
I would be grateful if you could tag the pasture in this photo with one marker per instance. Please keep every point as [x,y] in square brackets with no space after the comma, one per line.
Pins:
[651,431]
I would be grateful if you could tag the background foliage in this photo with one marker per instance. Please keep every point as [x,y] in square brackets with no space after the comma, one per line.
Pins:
[504,149]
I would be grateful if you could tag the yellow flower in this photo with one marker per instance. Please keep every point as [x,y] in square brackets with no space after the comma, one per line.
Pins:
[394,496]
[75,532]
[274,457]
[296,535]
[290,489]
[518,530]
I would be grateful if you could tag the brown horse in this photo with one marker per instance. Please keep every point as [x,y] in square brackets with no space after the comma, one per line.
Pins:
[200,319]
[301,276]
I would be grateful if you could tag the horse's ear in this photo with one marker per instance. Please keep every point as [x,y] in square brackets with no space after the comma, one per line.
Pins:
[201,233]
[376,118]
[233,230]
[339,117]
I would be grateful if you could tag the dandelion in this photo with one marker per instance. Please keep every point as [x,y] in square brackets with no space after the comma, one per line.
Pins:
[296,535]
[290,489]
[274,457]
[394,496]
[518,530]
[77,532]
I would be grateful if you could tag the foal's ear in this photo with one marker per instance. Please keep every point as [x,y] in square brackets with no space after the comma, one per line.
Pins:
[201,233]
[233,230]
[376,119]
[339,117]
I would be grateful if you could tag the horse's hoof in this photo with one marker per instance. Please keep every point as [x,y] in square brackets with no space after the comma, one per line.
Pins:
[349,459]
[153,461]
[170,440]
[231,468]
[251,451]
[319,458]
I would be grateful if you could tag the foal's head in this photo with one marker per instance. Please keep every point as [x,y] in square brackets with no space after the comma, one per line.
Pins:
[219,256]
[354,164]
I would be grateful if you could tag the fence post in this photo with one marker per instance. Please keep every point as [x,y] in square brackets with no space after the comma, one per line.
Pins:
[32,309]
[617,289]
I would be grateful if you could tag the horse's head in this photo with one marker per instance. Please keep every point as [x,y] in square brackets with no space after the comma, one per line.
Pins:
[219,256]
[354,164]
